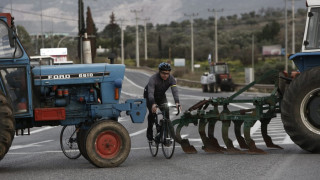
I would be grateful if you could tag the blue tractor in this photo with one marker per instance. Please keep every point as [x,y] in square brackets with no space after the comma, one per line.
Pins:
[84,96]
[300,107]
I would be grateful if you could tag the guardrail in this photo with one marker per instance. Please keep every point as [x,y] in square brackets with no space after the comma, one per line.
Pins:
[197,84]
[256,87]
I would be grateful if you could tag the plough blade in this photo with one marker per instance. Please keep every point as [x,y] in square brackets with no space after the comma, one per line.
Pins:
[213,141]
[252,145]
[237,131]
[227,141]
[264,131]
[208,147]
[185,145]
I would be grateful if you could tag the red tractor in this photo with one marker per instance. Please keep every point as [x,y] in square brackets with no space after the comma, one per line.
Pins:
[218,78]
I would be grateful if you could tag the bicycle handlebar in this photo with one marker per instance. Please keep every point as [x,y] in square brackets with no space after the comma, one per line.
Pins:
[164,105]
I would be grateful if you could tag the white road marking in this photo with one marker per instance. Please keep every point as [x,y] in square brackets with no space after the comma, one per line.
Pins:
[127,79]
[122,119]
[29,145]
[184,135]
[195,140]
[138,132]
[287,140]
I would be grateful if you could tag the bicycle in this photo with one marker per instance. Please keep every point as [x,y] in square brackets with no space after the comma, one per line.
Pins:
[68,142]
[163,133]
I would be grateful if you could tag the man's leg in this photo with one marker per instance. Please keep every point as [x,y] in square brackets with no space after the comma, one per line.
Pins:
[151,118]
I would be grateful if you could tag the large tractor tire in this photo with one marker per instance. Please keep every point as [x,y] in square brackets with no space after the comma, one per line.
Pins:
[282,83]
[81,140]
[7,125]
[300,110]
[107,144]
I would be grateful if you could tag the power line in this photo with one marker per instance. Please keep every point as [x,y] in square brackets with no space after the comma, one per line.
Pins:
[48,16]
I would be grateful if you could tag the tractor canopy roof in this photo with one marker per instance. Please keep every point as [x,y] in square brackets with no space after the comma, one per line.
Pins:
[311,3]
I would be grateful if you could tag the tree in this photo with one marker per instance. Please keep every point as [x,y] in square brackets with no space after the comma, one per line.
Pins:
[91,31]
[112,31]
[159,46]
[25,39]
[269,31]
[81,26]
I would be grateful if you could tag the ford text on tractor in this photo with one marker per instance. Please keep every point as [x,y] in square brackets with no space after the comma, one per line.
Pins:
[298,102]
[84,96]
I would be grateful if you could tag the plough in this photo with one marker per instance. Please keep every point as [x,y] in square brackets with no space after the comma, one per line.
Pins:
[206,112]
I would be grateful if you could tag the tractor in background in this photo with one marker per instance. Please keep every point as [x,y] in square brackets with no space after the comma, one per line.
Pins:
[218,77]
[84,96]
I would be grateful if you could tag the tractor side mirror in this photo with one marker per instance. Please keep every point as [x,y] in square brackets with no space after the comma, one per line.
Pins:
[11,38]
[305,43]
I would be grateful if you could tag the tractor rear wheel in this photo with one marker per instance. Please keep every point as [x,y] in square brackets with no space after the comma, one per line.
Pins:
[7,125]
[300,110]
[107,144]
[282,83]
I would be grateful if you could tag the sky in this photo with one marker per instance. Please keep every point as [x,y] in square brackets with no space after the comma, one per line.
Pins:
[60,16]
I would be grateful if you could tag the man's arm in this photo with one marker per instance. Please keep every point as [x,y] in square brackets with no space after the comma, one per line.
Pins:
[151,87]
[174,89]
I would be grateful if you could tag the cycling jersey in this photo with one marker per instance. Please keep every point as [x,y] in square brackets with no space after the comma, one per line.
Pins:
[156,89]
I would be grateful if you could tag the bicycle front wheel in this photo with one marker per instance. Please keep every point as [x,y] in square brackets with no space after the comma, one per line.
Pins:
[154,145]
[168,142]
[68,142]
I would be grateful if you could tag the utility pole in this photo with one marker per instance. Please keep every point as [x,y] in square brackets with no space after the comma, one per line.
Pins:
[145,38]
[42,40]
[11,8]
[122,40]
[191,16]
[293,33]
[216,31]
[286,36]
[253,56]
[137,36]
[52,33]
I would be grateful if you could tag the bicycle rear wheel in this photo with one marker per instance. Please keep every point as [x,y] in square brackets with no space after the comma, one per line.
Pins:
[153,145]
[168,142]
[68,142]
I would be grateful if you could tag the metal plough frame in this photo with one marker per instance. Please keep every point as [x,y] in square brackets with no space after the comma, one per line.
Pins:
[207,112]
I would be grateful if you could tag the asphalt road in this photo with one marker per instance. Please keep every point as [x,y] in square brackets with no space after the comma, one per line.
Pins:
[39,156]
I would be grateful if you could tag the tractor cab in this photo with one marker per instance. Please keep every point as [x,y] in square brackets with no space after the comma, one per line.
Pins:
[219,68]
[308,57]
[13,70]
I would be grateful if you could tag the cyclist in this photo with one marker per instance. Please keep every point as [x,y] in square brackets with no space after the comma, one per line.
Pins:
[155,93]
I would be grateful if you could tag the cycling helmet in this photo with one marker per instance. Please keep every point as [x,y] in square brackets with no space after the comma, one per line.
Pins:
[164,67]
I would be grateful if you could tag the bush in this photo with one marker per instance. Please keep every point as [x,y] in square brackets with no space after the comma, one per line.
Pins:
[271,64]
[180,71]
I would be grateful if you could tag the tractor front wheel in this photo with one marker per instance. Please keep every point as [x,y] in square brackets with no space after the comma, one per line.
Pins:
[7,125]
[107,144]
[300,110]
